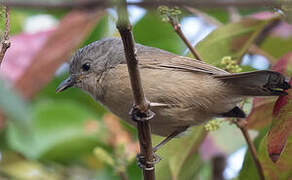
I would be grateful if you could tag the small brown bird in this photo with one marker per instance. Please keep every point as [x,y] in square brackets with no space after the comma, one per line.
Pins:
[184,91]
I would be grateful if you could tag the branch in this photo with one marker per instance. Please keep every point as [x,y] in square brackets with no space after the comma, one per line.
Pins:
[5,43]
[218,166]
[140,111]
[177,28]
[145,4]
[241,124]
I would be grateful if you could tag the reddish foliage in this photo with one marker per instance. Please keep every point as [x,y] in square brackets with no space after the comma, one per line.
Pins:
[261,113]
[18,57]
[33,58]
[72,30]
[281,126]
[283,64]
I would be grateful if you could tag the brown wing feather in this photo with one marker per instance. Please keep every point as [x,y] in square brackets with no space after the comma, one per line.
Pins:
[156,58]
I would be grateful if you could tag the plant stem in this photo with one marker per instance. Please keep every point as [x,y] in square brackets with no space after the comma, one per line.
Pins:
[6,42]
[241,124]
[140,112]
[177,28]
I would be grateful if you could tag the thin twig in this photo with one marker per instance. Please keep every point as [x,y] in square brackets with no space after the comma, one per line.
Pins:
[242,125]
[218,167]
[6,42]
[140,112]
[177,28]
[145,4]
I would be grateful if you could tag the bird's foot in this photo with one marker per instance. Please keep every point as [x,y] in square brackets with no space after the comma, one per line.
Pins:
[137,115]
[147,165]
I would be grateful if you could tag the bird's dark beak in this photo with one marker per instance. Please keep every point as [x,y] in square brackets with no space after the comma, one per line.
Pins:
[65,84]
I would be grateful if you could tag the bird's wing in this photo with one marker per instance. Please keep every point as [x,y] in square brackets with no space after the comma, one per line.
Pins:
[155,58]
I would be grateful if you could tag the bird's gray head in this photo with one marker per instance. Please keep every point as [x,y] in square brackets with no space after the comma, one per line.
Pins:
[89,63]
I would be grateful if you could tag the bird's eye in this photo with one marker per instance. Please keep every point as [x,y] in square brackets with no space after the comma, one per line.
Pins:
[86,67]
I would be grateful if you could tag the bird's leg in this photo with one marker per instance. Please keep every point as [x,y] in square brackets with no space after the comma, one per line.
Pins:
[141,159]
[168,138]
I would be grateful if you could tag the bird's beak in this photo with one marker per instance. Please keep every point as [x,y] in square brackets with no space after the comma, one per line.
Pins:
[65,84]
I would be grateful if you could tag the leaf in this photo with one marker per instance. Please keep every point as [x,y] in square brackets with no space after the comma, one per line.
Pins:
[175,160]
[284,65]
[17,112]
[232,39]
[145,32]
[99,31]
[72,94]
[63,131]
[28,170]
[18,58]
[279,41]
[281,126]
[273,171]
[72,30]
[261,113]
[13,106]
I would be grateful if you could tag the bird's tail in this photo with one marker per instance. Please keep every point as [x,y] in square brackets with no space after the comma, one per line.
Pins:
[257,83]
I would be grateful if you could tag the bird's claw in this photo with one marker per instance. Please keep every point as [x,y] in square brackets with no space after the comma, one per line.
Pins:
[136,115]
[143,164]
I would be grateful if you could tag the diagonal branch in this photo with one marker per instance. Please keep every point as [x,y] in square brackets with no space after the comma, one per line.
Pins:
[140,112]
[177,28]
[242,125]
[6,42]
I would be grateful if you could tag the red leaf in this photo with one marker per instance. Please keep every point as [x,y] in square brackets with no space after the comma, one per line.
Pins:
[73,28]
[18,57]
[284,65]
[281,126]
[261,113]
[32,60]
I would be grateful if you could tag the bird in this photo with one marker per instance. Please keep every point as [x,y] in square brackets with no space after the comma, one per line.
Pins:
[184,92]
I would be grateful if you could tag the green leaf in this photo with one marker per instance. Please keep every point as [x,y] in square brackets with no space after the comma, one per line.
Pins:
[182,162]
[17,112]
[277,46]
[63,131]
[28,170]
[98,32]
[280,170]
[146,33]
[273,171]
[14,106]
[219,14]
[72,94]
[232,39]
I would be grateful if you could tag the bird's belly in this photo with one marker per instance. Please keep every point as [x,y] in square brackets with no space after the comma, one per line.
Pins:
[166,120]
